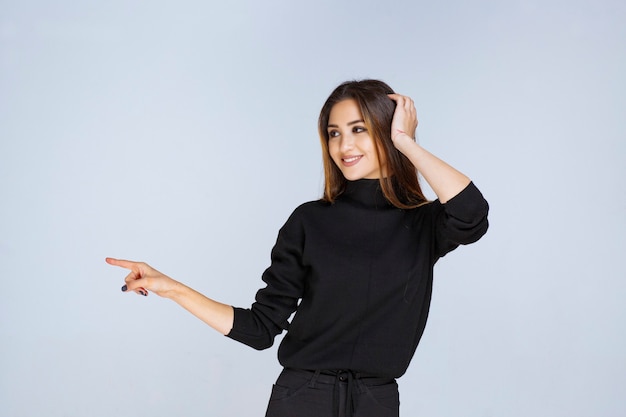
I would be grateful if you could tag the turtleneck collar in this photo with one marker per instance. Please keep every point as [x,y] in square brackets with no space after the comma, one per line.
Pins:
[366,192]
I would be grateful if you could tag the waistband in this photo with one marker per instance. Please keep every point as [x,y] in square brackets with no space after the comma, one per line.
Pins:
[332,376]
[354,381]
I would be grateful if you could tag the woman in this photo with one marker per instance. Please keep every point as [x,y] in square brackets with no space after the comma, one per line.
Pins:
[355,266]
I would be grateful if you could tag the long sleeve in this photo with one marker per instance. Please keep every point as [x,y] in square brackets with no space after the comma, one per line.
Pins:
[359,272]
[268,316]
[461,220]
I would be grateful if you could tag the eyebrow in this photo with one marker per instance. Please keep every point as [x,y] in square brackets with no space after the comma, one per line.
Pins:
[349,124]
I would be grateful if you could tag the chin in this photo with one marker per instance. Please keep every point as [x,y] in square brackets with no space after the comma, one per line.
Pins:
[352,177]
[356,177]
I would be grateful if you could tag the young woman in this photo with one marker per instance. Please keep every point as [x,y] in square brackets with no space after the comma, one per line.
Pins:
[356,266]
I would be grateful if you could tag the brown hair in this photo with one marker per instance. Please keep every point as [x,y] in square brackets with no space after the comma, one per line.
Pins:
[400,186]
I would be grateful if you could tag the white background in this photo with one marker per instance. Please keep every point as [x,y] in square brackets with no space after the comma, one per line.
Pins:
[184,133]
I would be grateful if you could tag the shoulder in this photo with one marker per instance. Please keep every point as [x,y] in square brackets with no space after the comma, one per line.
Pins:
[306,212]
[310,207]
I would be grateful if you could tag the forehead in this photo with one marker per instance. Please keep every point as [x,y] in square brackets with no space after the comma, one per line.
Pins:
[344,112]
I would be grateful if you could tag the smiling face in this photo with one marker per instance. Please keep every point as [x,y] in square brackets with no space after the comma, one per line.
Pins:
[349,143]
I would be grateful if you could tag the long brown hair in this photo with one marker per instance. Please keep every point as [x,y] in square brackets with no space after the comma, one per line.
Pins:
[400,186]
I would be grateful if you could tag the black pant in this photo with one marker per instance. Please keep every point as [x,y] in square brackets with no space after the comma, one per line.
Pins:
[299,393]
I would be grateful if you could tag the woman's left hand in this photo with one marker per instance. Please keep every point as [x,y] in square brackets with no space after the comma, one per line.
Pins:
[404,120]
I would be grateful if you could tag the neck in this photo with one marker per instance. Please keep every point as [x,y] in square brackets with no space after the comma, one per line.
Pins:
[366,192]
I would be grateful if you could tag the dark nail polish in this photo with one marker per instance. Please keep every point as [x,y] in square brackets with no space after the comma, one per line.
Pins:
[124,288]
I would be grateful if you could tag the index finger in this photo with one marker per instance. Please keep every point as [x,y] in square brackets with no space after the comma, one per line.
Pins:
[122,263]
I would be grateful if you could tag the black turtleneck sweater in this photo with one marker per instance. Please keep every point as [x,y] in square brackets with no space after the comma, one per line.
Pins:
[359,275]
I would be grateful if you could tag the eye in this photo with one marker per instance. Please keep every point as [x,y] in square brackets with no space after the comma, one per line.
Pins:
[333,133]
[359,129]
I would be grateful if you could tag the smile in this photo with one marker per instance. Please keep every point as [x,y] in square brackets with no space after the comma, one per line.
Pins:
[351,160]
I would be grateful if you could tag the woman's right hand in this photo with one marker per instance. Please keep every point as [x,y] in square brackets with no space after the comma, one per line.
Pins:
[143,278]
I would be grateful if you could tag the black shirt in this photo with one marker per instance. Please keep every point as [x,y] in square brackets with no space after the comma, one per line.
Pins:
[359,273]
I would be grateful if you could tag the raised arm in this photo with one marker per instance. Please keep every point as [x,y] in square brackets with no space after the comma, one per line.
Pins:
[445,181]
[143,278]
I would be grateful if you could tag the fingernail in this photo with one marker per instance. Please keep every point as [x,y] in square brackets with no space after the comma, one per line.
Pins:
[124,288]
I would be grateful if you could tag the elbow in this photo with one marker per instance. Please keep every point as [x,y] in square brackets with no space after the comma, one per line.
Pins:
[475,233]
[463,233]
[257,341]
[254,329]
[262,343]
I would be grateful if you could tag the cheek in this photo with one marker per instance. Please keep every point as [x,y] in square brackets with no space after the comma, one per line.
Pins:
[381,161]
[371,149]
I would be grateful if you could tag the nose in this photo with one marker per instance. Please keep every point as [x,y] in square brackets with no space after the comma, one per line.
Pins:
[347,142]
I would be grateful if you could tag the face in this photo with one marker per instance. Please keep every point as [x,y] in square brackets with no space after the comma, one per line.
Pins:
[349,143]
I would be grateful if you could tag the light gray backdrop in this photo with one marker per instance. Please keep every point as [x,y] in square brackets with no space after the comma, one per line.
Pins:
[184,133]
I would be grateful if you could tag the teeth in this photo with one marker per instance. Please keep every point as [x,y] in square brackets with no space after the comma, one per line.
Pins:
[351,159]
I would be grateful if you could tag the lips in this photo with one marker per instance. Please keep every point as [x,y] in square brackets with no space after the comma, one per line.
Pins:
[348,161]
